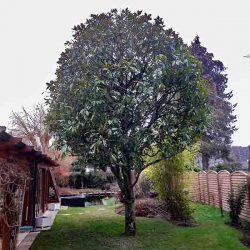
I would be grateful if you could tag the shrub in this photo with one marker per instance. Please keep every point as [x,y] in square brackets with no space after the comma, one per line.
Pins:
[143,187]
[146,207]
[92,179]
[236,202]
[230,167]
[168,181]
[61,180]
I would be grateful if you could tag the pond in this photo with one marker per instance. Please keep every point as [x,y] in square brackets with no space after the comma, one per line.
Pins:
[84,200]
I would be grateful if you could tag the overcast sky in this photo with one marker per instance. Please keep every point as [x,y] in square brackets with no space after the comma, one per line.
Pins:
[33,34]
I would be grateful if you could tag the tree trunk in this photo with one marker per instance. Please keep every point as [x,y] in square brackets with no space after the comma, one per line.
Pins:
[205,162]
[130,226]
[124,180]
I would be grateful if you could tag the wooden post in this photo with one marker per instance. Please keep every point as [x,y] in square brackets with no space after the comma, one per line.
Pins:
[9,240]
[34,195]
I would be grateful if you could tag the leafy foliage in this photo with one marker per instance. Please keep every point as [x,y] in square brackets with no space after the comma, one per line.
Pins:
[230,167]
[124,86]
[168,180]
[92,179]
[143,187]
[236,202]
[146,207]
[216,140]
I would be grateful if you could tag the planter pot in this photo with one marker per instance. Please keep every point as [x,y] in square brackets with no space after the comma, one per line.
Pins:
[54,206]
[43,221]
[104,202]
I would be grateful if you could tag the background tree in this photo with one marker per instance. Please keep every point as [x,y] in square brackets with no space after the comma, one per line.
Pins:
[124,86]
[31,127]
[249,158]
[216,140]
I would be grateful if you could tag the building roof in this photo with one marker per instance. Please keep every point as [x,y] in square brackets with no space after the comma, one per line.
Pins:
[9,143]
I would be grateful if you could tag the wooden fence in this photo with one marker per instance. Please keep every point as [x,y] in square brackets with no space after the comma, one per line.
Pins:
[213,188]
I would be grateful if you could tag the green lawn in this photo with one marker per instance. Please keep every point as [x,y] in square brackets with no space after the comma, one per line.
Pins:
[95,228]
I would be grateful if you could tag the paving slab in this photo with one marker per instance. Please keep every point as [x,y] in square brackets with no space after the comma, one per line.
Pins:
[28,240]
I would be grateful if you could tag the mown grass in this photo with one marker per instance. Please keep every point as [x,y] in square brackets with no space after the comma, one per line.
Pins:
[93,228]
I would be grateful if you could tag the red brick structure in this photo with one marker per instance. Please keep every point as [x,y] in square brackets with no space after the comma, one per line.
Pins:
[39,189]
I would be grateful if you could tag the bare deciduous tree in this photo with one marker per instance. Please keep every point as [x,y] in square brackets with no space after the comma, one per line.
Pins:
[31,127]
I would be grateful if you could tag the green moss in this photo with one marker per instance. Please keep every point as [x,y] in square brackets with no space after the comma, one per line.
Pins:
[94,228]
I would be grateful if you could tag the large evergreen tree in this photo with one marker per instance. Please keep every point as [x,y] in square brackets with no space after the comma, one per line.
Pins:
[125,86]
[216,140]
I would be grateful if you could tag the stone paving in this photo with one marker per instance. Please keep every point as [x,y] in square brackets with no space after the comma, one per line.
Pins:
[25,239]
[28,240]
[31,236]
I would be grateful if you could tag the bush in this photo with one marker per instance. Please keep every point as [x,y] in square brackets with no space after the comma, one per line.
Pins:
[143,208]
[61,177]
[143,187]
[168,181]
[146,207]
[230,167]
[236,202]
[92,179]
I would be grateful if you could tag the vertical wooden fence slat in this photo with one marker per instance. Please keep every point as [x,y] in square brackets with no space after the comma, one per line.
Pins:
[199,188]
[219,195]
[208,196]
[192,185]
[214,189]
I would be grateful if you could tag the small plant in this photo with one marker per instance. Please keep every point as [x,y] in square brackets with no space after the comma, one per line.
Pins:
[236,202]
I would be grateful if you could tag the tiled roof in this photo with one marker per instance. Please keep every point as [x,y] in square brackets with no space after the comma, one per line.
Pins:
[15,145]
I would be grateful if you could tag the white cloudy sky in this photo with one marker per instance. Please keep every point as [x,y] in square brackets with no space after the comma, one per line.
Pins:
[33,34]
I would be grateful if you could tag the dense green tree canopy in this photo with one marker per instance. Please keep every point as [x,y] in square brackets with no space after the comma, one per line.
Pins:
[125,86]
[216,139]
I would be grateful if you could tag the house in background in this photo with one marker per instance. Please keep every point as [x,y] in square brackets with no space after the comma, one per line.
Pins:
[33,196]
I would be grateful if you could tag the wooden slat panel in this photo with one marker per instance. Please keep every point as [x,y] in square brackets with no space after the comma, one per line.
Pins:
[214,189]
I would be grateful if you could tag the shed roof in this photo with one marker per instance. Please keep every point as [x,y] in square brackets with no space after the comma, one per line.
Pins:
[15,145]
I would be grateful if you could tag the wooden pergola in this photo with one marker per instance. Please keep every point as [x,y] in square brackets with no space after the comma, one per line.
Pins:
[38,191]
